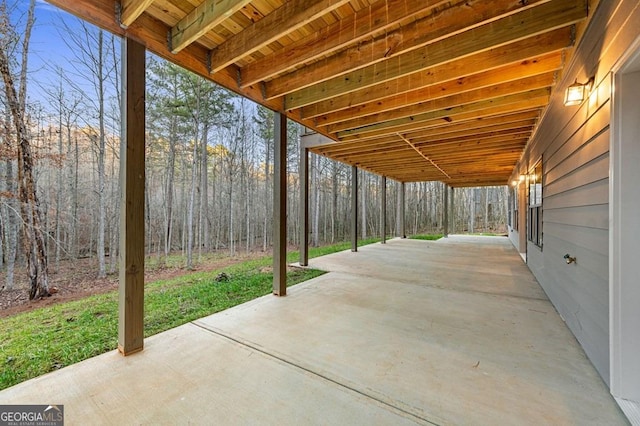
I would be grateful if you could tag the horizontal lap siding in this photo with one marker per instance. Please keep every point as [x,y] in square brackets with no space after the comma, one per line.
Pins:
[574,145]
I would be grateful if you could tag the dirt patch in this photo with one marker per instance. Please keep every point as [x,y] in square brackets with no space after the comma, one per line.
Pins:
[77,279]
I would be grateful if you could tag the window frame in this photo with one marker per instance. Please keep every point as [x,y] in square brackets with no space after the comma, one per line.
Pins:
[535,191]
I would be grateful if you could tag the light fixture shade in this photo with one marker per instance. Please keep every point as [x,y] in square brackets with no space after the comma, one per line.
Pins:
[575,94]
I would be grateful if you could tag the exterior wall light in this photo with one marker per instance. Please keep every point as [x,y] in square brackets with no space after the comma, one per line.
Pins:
[577,92]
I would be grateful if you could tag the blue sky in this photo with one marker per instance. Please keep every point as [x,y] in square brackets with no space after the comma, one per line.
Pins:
[47,49]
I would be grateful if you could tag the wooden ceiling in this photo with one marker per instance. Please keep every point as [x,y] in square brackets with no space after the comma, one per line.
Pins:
[416,90]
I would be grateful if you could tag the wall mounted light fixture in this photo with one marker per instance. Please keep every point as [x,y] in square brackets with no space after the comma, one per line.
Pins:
[577,92]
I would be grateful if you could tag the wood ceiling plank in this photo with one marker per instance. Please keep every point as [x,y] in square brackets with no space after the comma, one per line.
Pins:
[500,130]
[541,49]
[458,115]
[479,125]
[471,146]
[519,101]
[443,22]
[131,10]
[348,31]
[362,149]
[488,137]
[285,19]
[473,125]
[499,90]
[537,20]
[201,20]
[452,87]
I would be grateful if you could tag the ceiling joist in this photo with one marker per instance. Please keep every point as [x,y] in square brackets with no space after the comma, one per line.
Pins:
[547,17]
[353,29]
[130,10]
[529,52]
[287,18]
[201,20]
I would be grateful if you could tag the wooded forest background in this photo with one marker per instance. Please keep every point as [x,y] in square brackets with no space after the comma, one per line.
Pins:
[209,167]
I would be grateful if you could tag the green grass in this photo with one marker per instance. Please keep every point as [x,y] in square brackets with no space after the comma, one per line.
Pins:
[429,237]
[37,342]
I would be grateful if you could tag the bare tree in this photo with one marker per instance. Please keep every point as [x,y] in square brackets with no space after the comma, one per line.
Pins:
[93,61]
[34,243]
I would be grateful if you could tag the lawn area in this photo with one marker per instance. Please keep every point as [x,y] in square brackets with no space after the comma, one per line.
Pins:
[39,341]
[429,237]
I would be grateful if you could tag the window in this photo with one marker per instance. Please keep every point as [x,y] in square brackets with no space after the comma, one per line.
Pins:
[534,190]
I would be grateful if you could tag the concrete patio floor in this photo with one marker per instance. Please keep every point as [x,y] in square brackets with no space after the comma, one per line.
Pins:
[455,331]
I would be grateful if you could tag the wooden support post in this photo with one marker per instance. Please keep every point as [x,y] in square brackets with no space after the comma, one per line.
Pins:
[354,209]
[132,186]
[280,206]
[452,212]
[401,229]
[304,206]
[445,219]
[383,211]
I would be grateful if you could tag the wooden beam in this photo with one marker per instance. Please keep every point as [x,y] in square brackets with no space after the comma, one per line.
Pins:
[130,10]
[491,92]
[461,117]
[452,210]
[304,205]
[530,22]
[280,206]
[350,30]
[201,20]
[401,230]
[477,127]
[479,138]
[539,49]
[354,209]
[132,184]
[524,73]
[287,18]
[442,22]
[474,126]
[383,210]
[445,218]
[519,101]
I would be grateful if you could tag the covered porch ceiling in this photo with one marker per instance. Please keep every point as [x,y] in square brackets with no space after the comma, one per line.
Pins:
[415,90]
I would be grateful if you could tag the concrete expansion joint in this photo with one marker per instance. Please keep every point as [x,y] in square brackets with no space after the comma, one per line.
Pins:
[405,413]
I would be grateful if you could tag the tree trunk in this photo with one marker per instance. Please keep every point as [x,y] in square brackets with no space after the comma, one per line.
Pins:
[102,271]
[171,164]
[204,193]
[34,244]
[192,197]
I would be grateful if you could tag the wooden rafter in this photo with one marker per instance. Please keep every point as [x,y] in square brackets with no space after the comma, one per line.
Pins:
[444,104]
[131,10]
[483,80]
[537,49]
[526,100]
[547,17]
[201,20]
[442,22]
[355,28]
[287,18]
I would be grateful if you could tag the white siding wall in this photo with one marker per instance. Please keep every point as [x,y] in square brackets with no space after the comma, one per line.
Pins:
[574,145]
